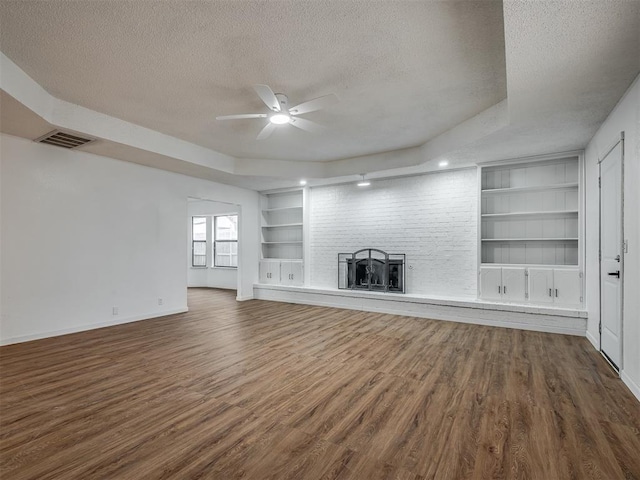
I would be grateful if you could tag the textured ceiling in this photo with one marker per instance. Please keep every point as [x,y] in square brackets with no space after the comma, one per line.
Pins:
[469,81]
[404,71]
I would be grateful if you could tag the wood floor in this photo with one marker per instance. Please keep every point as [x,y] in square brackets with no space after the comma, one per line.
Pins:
[263,390]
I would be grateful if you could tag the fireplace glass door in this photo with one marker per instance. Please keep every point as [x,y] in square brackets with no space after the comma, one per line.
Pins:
[371,269]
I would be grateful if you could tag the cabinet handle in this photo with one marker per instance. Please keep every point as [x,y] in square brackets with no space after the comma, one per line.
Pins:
[499,289]
[556,292]
[504,289]
[550,294]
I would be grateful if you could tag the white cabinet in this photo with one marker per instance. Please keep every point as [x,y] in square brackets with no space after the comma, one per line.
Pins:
[281,272]
[530,235]
[505,284]
[282,238]
[558,286]
[291,273]
[491,283]
[541,285]
[536,285]
[270,271]
[513,284]
[567,287]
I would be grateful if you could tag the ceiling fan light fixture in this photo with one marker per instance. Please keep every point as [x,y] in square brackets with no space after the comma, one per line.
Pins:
[279,118]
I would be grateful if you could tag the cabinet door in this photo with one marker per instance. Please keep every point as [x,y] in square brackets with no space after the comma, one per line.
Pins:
[285,273]
[264,272]
[541,285]
[513,283]
[291,273]
[567,287]
[269,271]
[296,274]
[491,283]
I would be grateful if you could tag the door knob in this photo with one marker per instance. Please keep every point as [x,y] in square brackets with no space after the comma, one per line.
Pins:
[615,274]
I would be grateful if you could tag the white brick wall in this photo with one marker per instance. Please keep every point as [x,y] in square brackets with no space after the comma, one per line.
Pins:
[433,219]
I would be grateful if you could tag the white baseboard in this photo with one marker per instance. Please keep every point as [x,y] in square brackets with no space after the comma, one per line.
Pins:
[244,297]
[450,310]
[92,326]
[633,386]
[594,341]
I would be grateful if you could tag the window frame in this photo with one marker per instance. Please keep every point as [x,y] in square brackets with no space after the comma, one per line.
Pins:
[215,241]
[193,242]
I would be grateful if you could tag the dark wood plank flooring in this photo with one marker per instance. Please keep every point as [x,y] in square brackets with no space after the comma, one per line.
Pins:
[263,390]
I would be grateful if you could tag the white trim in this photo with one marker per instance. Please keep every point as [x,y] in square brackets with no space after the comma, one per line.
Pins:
[401,298]
[244,298]
[633,386]
[92,326]
[594,341]
[541,319]
[548,157]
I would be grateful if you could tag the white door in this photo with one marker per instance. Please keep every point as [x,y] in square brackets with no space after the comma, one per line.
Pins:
[611,255]
[541,285]
[567,287]
[513,283]
[491,283]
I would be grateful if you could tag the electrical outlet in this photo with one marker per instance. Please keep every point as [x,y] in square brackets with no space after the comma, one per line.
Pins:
[160,301]
[115,311]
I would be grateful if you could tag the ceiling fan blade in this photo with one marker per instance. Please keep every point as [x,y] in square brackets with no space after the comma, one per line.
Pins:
[266,131]
[306,125]
[241,116]
[315,104]
[268,97]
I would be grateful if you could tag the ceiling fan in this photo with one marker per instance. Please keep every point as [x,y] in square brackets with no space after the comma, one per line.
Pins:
[281,114]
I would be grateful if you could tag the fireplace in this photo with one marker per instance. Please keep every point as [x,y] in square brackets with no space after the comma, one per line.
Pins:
[371,269]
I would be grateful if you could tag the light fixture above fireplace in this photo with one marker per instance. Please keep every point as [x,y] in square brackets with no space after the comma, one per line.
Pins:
[364,182]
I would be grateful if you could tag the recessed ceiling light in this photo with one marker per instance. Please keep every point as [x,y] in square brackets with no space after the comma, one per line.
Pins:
[303,182]
[279,118]
[443,163]
[363,182]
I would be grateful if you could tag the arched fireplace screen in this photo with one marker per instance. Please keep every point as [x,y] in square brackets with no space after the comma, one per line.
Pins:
[371,269]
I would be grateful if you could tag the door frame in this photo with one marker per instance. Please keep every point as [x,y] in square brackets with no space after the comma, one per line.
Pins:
[620,141]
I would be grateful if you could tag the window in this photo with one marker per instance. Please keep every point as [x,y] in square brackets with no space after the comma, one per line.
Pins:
[225,245]
[199,241]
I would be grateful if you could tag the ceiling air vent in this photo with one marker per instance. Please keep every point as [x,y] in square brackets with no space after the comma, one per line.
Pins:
[63,139]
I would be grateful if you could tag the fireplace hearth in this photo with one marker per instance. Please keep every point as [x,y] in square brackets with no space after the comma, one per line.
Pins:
[371,269]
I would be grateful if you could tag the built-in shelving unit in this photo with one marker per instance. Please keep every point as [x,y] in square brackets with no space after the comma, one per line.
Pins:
[530,213]
[282,238]
[282,225]
[530,216]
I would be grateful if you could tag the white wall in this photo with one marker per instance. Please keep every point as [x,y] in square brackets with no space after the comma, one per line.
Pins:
[210,276]
[625,117]
[431,218]
[83,233]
